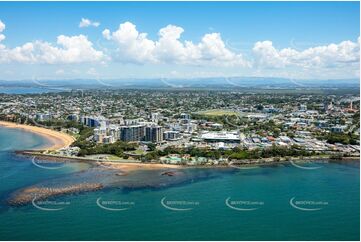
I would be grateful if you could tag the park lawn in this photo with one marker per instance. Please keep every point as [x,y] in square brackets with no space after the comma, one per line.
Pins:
[218,112]
[137,152]
[113,157]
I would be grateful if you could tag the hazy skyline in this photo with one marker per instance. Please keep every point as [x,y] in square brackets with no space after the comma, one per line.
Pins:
[65,40]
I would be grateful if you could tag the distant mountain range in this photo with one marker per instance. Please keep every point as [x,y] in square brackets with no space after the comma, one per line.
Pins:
[199,83]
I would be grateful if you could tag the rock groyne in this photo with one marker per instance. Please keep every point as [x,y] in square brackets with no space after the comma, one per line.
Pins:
[27,195]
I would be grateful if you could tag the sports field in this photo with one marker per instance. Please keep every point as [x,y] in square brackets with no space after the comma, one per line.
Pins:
[218,112]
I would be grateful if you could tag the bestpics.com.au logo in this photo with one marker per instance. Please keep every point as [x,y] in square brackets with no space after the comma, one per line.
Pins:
[308,205]
[47,165]
[243,205]
[114,205]
[179,205]
[49,205]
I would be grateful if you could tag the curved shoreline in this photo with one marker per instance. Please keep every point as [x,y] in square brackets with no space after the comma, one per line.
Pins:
[132,166]
[56,140]
[26,195]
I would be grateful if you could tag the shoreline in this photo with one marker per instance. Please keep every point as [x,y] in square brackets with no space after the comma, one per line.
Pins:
[56,140]
[26,195]
[123,166]
[133,166]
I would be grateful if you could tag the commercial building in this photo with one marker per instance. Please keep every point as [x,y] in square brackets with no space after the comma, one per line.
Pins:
[185,116]
[43,116]
[73,117]
[133,121]
[154,134]
[171,135]
[189,127]
[338,129]
[302,107]
[132,133]
[114,131]
[92,121]
[99,134]
[155,117]
[222,136]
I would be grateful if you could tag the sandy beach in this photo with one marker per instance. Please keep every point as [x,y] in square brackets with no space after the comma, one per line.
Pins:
[57,140]
[128,167]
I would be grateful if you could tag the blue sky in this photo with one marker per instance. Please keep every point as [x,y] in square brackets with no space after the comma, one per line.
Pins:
[294,39]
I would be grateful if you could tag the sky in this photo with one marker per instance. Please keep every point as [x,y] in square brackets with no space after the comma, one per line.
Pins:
[120,40]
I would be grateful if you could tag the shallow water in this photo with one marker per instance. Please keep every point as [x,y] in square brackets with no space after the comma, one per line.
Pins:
[140,198]
[25,90]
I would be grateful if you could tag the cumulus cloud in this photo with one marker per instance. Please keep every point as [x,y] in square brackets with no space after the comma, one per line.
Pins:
[332,55]
[68,49]
[88,23]
[128,45]
[106,34]
[73,49]
[2,28]
[134,46]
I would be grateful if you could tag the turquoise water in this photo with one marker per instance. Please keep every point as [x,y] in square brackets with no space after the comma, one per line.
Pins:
[269,189]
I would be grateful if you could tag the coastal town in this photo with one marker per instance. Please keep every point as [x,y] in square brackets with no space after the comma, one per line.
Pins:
[180,120]
[196,127]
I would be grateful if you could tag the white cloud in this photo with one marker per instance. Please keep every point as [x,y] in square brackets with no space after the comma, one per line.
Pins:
[59,72]
[74,49]
[2,28]
[92,71]
[133,46]
[213,48]
[106,34]
[128,45]
[332,55]
[266,55]
[88,23]
[69,49]
[168,47]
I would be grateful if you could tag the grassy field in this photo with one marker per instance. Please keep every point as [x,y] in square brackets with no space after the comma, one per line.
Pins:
[108,157]
[136,152]
[113,157]
[217,112]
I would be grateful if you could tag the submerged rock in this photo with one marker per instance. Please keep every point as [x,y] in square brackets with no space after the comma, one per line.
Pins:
[29,194]
[169,173]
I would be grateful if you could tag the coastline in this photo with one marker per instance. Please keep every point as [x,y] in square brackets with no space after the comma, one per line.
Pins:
[56,140]
[123,166]
[129,166]
[132,166]
[26,195]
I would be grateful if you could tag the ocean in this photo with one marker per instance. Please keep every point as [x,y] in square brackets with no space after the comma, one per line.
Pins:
[28,90]
[281,202]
